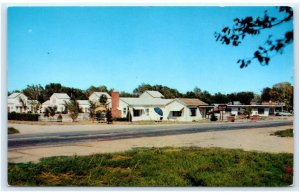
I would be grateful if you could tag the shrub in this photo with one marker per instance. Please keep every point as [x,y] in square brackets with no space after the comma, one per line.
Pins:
[213,117]
[23,116]
[59,118]
[109,117]
[12,130]
[284,133]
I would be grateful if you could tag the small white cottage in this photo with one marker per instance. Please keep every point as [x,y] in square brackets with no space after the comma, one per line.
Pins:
[18,102]
[151,105]
[59,100]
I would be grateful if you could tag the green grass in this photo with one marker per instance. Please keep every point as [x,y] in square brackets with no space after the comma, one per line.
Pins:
[284,133]
[158,167]
[12,130]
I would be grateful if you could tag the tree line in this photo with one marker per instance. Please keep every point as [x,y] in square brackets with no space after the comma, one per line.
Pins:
[280,92]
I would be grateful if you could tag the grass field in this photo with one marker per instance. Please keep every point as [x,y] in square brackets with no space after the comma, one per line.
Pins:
[158,167]
[285,133]
[12,130]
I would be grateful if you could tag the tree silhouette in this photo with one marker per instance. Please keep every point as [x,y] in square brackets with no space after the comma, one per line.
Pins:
[250,26]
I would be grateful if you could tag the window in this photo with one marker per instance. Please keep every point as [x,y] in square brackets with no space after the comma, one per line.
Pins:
[137,112]
[260,110]
[193,112]
[147,112]
[176,113]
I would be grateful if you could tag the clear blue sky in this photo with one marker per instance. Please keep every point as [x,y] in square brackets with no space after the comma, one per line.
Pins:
[122,47]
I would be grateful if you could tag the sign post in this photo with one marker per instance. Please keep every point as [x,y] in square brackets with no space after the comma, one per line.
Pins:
[221,109]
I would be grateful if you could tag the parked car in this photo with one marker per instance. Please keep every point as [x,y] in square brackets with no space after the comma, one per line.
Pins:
[283,113]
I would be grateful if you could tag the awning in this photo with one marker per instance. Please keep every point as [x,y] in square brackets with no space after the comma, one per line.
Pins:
[177,108]
[100,109]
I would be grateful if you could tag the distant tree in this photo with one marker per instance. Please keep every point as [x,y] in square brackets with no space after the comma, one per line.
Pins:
[73,108]
[52,88]
[109,117]
[47,112]
[206,97]
[9,93]
[164,90]
[50,111]
[92,109]
[280,92]
[245,97]
[250,26]
[248,112]
[284,93]
[266,94]
[257,98]
[34,92]
[142,88]
[190,94]
[23,103]
[74,93]
[220,98]
[92,89]
[126,94]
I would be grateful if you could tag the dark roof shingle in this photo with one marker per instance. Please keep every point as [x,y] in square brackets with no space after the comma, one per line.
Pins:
[192,101]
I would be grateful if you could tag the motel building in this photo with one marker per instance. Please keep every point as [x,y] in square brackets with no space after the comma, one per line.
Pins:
[152,106]
[263,109]
[149,106]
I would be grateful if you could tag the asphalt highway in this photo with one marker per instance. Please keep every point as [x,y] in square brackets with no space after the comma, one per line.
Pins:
[46,139]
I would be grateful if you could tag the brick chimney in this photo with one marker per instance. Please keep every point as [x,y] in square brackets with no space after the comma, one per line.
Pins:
[115,97]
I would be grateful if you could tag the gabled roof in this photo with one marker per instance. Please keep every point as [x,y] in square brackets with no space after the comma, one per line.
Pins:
[33,101]
[154,94]
[14,95]
[191,101]
[146,101]
[47,102]
[83,102]
[61,95]
[98,94]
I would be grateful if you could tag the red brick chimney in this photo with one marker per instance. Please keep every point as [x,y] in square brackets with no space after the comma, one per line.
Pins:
[115,97]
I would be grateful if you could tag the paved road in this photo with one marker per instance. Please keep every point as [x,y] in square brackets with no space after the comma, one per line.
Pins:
[25,140]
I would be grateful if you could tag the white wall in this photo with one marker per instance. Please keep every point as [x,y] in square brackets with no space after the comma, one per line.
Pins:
[234,111]
[85,108]
[59,103]
[186,112]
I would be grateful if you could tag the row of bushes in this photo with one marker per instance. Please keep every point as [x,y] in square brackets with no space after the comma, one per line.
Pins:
[23,116]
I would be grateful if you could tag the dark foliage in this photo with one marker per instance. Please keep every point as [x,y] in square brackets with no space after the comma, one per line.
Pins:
[213,117]
[12,130]
[109,118]
[23,116]
[164,90]
[250,26]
